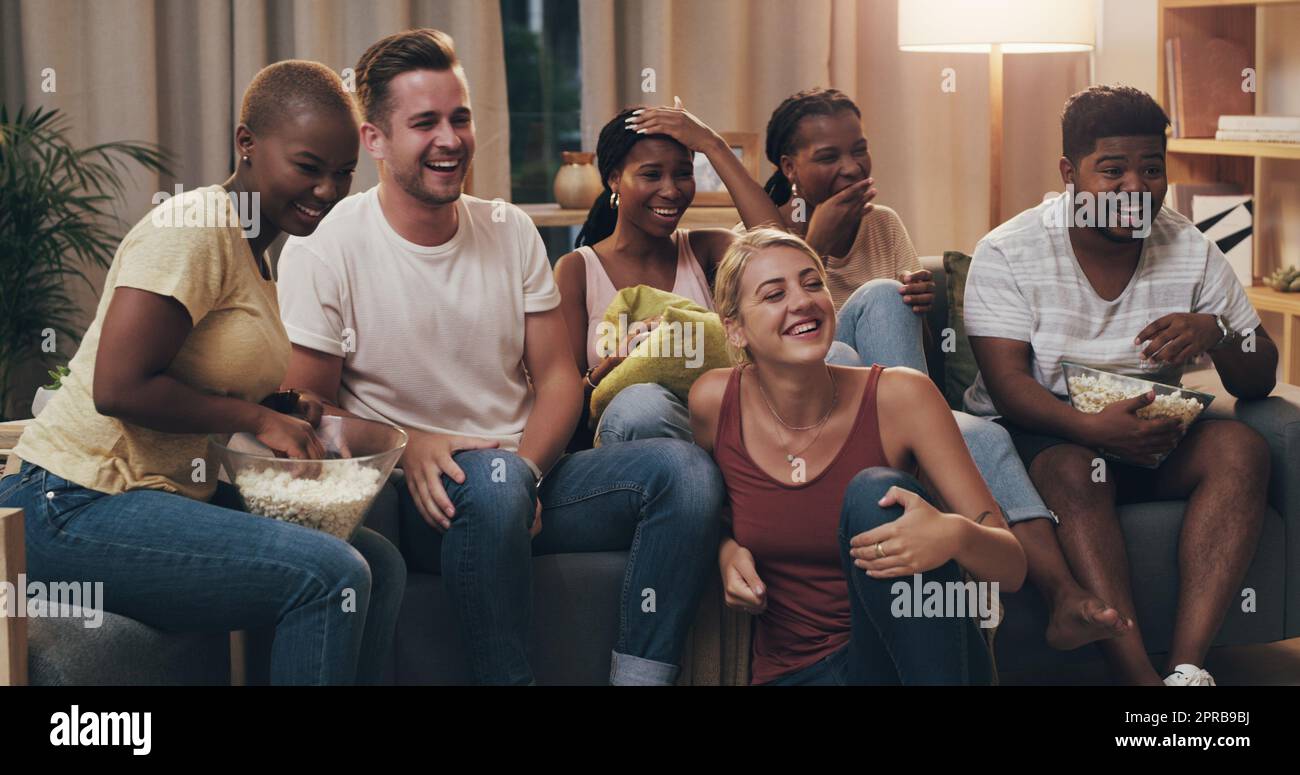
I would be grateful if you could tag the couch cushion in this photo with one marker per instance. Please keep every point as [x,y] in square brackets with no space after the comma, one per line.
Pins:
[959,366]
[121,651]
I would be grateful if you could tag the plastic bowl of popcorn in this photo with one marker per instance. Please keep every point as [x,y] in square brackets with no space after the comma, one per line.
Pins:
[1092,390]
[332,494]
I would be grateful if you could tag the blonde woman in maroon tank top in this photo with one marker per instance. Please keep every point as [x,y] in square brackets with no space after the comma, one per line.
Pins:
[830,529]
[631,237]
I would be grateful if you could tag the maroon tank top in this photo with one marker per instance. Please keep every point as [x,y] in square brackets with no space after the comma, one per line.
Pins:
[793,532]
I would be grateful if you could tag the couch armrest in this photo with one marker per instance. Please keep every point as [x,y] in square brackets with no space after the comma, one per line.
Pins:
[13,629]
[1277,419]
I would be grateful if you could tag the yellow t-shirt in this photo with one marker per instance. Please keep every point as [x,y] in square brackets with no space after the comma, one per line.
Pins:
[192,249]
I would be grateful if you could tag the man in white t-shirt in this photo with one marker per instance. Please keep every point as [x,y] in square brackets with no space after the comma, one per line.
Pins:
[1105,277]
[416,305]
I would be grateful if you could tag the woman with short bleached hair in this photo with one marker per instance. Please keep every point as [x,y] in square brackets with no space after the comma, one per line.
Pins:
[187,341]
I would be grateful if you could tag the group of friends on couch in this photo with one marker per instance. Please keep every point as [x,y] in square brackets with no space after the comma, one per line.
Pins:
[417,305]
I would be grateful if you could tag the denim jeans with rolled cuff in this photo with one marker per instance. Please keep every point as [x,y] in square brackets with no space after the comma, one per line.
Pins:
[657,499]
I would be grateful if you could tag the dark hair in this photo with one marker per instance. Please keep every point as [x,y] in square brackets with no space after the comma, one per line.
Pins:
[615,143]
[289,86]
[421,49]
[1108,111]
[783,127]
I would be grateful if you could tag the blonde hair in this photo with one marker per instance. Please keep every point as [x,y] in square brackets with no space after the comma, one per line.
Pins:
[726,285]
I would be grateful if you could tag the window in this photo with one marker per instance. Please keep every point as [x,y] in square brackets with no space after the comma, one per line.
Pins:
[544,84]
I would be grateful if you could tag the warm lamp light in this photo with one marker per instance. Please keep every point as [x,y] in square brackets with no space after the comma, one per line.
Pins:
[996,27]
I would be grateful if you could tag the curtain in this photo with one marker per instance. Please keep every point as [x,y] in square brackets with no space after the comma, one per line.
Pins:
[174,73]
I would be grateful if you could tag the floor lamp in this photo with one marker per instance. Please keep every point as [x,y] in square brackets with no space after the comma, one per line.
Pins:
[996,27]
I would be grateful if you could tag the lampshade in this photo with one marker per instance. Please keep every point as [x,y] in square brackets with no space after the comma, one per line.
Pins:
[1020,26]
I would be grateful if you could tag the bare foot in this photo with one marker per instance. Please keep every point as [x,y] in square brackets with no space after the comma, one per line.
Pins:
[1080,619]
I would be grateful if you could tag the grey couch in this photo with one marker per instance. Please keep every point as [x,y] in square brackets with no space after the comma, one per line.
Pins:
[1151,534]
[576,595]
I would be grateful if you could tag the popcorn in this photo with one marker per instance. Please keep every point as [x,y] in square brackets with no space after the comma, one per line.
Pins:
[1091,394]
[334,503]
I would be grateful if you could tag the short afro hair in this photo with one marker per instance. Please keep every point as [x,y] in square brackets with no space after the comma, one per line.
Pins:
[1108,111]
[293,85]
[419,49]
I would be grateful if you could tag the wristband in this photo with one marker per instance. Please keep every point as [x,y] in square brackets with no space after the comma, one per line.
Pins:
[283,401]
[1228,333]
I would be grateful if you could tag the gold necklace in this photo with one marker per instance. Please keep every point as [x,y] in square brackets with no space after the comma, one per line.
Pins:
[819,425]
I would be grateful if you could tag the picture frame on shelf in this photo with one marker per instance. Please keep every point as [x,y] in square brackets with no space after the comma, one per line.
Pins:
[709,190]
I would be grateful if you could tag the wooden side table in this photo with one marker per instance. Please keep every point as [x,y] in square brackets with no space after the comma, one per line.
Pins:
[13,629]
[1288,306]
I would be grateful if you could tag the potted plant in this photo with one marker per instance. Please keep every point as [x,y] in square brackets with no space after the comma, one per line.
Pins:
[45,392]
[56,220]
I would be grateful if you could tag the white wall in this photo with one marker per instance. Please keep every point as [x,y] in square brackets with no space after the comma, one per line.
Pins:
[1126,44]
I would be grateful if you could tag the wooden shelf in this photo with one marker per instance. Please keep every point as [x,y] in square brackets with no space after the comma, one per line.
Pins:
[1211,147]
[1255,168]
[1265,299]
[1223,3]
[693,218]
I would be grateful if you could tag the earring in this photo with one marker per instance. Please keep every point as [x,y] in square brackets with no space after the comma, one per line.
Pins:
[613,199]
[794,188]
[245,159]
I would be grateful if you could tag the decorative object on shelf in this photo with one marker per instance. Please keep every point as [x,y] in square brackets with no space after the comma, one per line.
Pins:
[1181,194]
[577,184]
[709,191]
[1229,222]
[1285,279]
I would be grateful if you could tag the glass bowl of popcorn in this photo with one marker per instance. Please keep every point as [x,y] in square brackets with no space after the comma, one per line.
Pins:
[332,494]
[1092,390]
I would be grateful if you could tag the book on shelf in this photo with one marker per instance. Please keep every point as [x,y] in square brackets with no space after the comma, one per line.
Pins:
[1270,123]
[1255,136]
[1171,80]
[1206,83]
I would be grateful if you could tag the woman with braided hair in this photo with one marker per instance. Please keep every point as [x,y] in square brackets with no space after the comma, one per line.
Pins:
[631,237]
[823,186]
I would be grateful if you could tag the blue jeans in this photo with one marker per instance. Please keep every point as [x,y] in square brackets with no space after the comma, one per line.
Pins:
[644,411]
[657,499]
[885,648]
[882,329]
[182,565]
